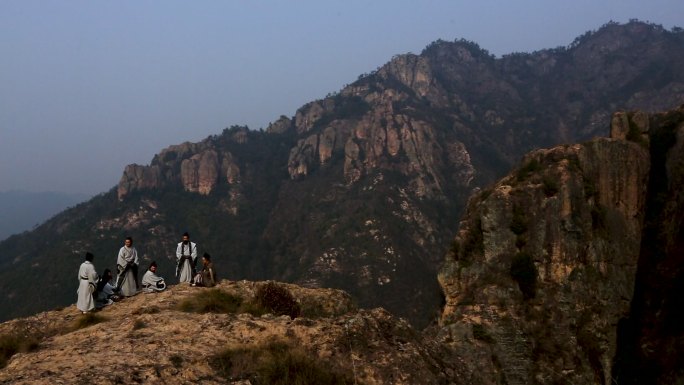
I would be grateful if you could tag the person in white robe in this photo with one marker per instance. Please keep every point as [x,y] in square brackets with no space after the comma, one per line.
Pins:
[87,280]
[151,282]
[127,266]
[186,255]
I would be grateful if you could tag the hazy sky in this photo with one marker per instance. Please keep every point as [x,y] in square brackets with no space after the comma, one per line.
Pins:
[87,87]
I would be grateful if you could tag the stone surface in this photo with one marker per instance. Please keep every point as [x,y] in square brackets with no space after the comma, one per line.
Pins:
[571,218]
[145,339]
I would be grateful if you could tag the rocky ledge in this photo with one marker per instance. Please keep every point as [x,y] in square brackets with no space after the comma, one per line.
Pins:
[154,339]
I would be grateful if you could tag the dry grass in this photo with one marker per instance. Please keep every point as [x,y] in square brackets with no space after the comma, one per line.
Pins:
[275,362]
[218,301]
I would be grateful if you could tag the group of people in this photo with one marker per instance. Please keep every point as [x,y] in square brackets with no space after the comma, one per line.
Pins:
[98,291]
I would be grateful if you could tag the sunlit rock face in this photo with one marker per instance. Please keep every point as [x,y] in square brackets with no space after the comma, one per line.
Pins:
[329,339]
[197,167]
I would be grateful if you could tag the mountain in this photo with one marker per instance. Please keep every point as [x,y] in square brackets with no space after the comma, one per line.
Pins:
[568,270]
[23,210]
[362,190]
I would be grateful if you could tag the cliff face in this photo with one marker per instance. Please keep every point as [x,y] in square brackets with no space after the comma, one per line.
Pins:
[197,167]
[651,337]
[545,263]
[362,190]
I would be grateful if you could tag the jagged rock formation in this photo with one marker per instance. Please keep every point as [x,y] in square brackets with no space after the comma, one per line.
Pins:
[545,263]
[197,167]
[363,189]
[146,339]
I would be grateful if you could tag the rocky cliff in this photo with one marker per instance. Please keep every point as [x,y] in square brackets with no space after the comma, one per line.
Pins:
[361,190]
[544,266]
[651,337]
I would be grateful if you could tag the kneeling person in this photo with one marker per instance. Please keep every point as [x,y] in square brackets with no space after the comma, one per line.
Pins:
[151,282]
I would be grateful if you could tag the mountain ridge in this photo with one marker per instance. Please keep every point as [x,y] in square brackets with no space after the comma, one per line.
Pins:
[362,190]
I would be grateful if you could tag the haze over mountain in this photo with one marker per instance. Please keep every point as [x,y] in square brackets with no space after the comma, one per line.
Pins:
[89,87]
[566,270]
[361,190]
[24,210]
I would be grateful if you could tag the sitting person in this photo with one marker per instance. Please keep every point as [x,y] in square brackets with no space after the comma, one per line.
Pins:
[105,291]
[207,276]
[151,282]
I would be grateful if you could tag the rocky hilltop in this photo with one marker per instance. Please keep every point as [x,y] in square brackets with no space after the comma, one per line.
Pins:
[150,339]
[560,271]
[361,190]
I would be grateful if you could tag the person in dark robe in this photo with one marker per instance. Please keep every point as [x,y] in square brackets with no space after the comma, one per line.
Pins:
[105,292]
[207,276]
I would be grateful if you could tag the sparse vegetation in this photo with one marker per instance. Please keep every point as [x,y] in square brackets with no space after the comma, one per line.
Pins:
[598,217]
[139,324]
[532,166]
[88,319]
[480,333]
[11,344]
[590,190]
[524,272]
[550,186]
[217,301]
[146,310]
[634,134]
[473,243]
[176,360]
[518,223]
[278,300]
[269,298]
[275,362]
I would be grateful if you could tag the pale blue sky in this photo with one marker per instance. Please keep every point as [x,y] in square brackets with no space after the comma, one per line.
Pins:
[87,87]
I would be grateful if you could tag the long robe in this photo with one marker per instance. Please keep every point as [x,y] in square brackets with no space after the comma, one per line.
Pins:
[87,278]
[127,256]
[185,270]
[151,282]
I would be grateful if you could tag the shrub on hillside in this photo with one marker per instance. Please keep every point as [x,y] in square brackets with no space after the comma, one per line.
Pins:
[218,301]
[524,272]
[275,362]
[277,300]
[86,320]
[11,344]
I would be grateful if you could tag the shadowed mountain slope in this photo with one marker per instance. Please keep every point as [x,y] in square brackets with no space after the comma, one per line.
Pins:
[363,189]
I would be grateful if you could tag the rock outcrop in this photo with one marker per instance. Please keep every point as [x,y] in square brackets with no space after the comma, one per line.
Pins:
[544,266]
[148,339]
[197,167]
[651,338]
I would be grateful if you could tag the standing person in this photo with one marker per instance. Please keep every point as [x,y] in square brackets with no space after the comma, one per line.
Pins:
[207,276]
[127,265]
[87,280]
[186,255]
[151,282]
